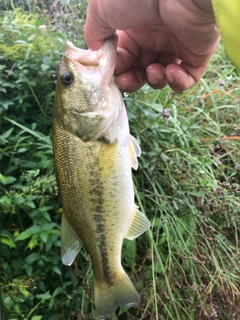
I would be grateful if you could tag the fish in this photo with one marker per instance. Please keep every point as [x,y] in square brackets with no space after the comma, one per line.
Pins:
[93,156]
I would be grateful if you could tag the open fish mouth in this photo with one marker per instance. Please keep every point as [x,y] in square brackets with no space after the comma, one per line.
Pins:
[93,58]
[84,57]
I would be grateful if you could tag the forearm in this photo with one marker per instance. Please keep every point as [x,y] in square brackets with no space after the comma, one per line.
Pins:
[227,15]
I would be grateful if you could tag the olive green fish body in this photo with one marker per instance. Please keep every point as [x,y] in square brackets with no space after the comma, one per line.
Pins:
[94,153]
[93,191]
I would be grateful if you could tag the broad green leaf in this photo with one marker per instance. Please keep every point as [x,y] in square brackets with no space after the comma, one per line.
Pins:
[56,270]
[44,296]
[44,67]
[34,229]
[7,240]
[48,226]
[29,270]
[57,291]
[8,302]
[33,257]
[18,200]
[6,103]
[30,204]
[5,136]
[23,235]
[44,236]
[6,180]
[5,201]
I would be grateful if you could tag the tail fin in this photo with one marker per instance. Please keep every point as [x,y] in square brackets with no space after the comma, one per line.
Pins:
[108,298]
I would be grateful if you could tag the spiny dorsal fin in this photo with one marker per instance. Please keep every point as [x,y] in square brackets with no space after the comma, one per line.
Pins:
[134,152]
[139,225]
[71,243]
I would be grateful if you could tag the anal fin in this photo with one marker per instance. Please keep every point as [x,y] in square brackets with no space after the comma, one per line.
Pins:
[71,243]
[139,225]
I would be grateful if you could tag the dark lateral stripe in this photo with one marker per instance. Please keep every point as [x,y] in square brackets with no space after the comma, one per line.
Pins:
[103,251]
[99,220]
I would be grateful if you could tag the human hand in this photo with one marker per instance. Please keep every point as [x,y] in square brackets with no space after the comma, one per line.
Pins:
[159,41]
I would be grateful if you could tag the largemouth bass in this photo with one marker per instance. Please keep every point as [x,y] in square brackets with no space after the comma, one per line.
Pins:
[94,153]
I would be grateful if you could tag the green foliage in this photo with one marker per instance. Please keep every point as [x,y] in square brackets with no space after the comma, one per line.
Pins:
[29,57]
[187,265]
[188,183]
[68,17]
[30,51]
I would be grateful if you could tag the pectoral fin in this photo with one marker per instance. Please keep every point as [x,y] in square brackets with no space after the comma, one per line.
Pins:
[139,225]
[90,115]
[134,151]
[71,243]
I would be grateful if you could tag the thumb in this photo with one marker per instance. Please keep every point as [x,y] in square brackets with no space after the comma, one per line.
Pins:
[96,29]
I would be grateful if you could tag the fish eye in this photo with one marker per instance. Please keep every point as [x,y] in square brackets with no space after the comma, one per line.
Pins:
[67,78]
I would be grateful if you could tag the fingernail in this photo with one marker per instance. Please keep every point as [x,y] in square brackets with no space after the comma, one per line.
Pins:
[152,79]
[153,75]
[120,84]
[171,77]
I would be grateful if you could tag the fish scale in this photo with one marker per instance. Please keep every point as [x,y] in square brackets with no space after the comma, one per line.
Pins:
[93,155]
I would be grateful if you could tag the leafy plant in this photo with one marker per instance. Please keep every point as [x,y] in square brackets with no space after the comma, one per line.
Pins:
[189,184]
[27,84]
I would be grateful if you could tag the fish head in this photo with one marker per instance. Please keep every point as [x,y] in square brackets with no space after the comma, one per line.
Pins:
[87,63]
[85,93]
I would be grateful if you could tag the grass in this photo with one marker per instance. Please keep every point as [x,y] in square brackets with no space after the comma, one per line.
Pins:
[187,265]
[188,184]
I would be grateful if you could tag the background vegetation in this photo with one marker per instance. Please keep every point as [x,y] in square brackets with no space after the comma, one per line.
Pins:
[187,265]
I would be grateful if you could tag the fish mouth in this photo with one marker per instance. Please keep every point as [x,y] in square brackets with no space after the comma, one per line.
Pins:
[105,56]
[84,57]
